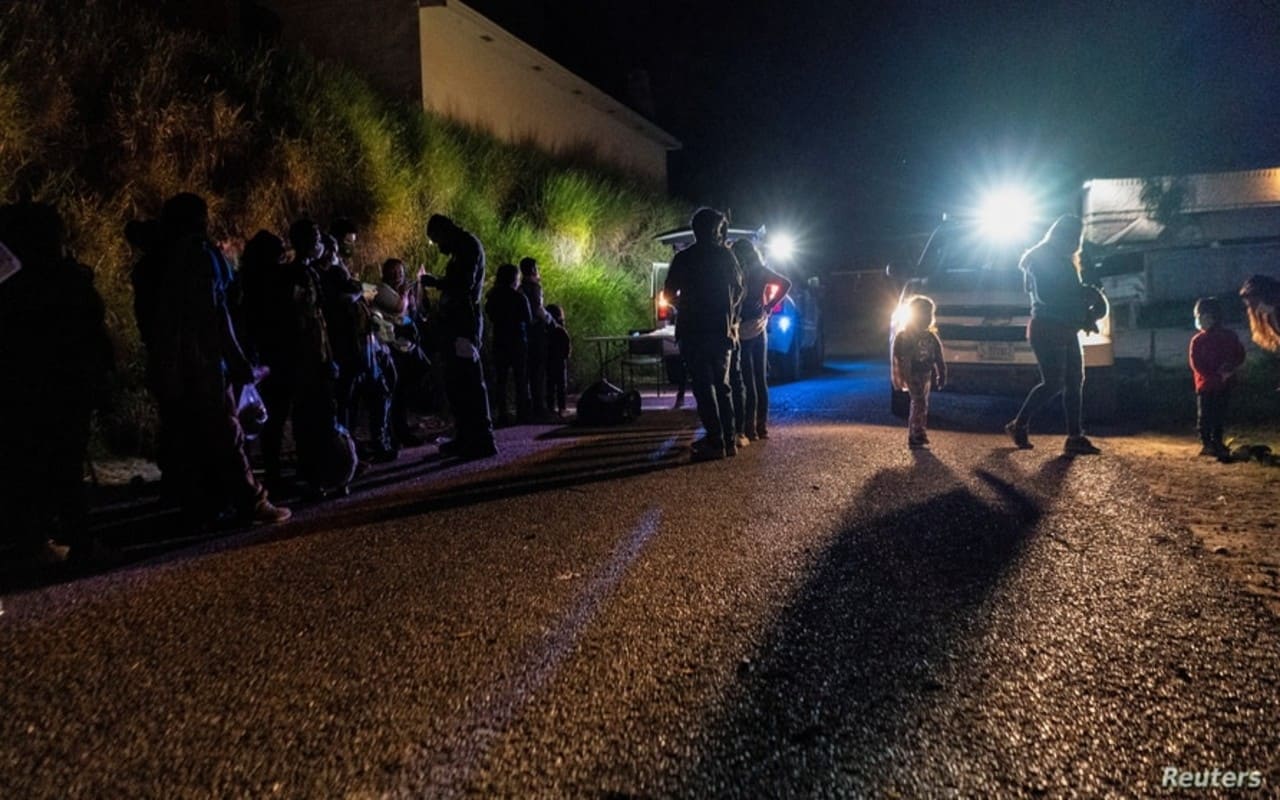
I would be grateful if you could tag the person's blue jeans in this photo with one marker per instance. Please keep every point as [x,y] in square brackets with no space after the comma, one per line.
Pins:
[755,362]
[737,391]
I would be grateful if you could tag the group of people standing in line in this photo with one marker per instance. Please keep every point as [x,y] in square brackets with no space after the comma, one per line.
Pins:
[294,321]
[723,296]
[531,346]
[324,347]
[1062,306]
[290,324]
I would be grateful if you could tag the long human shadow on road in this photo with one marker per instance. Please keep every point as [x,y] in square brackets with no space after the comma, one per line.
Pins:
[654,442]
[849,666]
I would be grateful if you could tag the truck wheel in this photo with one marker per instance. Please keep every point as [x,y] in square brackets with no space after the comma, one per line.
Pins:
[899,403]
[792,359]
[785,367]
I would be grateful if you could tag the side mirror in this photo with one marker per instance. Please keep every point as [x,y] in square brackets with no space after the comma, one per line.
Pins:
[898,272]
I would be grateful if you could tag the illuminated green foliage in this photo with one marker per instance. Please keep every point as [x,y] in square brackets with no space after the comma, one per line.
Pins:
[105,112]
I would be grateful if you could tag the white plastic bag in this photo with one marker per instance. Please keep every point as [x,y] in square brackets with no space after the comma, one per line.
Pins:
[251,411]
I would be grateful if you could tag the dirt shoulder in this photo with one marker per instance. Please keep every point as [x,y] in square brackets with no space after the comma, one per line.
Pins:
[1230,508]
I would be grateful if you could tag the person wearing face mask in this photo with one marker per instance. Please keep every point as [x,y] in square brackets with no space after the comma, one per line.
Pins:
[1215,354]
[704,283]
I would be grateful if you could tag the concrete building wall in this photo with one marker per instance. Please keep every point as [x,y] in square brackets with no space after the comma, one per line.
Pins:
[459,64]
[474,71]
[376,38]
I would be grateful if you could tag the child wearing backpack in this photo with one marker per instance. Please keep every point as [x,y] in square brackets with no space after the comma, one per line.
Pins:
[918,365]
[1215,354]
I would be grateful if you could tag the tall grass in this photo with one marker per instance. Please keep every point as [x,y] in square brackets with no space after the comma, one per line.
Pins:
[105,112]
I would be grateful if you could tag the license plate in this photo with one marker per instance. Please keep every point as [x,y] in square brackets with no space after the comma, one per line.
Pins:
[995,351]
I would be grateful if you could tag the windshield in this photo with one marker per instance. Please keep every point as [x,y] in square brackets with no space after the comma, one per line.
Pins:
[960,249]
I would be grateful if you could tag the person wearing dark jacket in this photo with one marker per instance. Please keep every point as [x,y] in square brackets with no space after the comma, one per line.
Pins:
[342,299]
[508,311]
[297,350]
[1051,273]
[261,273]
[459,328]
[704,283]
[762,290]
[147,237]
[200,369]
[1215,353]
[539,328]
[56,357]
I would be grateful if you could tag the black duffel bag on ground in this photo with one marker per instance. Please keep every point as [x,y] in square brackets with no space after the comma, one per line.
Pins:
[602,403]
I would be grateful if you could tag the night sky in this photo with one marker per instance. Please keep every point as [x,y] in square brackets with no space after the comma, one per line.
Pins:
[858,124]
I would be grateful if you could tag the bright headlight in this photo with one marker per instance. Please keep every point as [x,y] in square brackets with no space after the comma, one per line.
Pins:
[1006,215]
[901,316]
[781,246]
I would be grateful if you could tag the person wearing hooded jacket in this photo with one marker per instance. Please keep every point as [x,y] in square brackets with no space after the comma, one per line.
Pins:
[56,356]
[460,327]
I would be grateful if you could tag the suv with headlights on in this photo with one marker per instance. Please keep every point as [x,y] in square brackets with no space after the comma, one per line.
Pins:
[982,316]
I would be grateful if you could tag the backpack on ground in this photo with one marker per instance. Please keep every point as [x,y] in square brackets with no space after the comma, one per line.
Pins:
[602,403]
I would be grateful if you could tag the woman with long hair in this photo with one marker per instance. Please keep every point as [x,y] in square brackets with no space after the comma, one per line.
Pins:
[764,288]
[1261,295]
[1051,274]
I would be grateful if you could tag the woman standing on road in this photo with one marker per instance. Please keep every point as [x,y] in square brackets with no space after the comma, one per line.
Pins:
[763,289]
[1051,274]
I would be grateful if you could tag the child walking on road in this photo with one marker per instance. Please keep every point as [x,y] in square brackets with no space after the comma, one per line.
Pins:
[918,365]
[1215,354]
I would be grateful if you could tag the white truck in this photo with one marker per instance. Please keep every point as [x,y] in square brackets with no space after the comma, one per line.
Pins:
[982,315]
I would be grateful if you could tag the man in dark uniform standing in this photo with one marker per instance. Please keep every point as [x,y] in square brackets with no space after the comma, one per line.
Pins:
[459,329]
[705,284]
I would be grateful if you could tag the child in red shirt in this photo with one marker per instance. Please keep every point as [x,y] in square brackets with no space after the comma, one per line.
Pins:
[1215,354]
